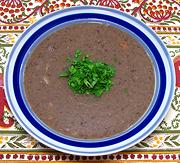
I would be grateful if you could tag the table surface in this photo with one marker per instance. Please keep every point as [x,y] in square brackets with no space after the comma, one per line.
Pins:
[163,16]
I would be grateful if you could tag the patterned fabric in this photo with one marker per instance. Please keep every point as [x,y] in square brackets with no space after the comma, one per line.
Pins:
[163,16]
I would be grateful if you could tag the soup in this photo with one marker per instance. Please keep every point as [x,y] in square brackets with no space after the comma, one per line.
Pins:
[87,116]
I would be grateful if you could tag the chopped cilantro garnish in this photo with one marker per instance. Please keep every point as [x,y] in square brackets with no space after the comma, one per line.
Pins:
[88,77]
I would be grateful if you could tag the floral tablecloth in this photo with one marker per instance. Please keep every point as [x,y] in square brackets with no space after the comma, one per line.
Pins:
[163,16]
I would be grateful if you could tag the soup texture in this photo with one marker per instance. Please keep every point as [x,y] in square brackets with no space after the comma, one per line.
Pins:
[88,116]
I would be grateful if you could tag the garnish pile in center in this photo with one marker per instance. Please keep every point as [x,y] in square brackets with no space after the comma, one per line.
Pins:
[88,77]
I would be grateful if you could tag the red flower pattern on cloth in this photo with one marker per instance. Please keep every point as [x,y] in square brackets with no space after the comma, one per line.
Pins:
[109,3]
[177,70]
[158,11]
[3,105]
[137,1]
[15,11]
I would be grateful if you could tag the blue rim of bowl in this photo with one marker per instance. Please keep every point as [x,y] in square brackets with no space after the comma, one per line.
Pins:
[152,47]
[59,27]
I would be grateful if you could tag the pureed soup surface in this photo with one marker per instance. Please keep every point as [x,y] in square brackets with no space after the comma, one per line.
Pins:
[89,116]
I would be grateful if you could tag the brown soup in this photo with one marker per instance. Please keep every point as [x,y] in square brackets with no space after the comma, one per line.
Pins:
[88,116]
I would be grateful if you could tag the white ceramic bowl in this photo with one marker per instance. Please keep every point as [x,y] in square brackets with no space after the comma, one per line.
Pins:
[163,68]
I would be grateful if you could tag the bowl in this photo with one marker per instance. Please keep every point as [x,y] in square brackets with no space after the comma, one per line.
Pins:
[163,70]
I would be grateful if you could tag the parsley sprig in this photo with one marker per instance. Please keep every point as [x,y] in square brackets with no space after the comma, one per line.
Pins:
[88,77]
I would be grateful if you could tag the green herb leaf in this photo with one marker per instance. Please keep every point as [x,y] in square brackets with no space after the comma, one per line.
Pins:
[88,77]
[64,74]
[77,53]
